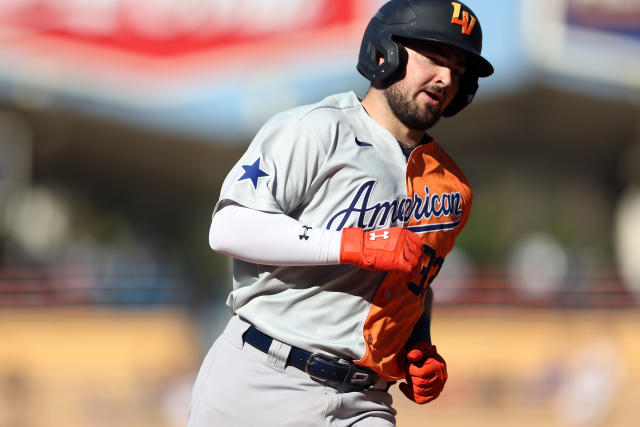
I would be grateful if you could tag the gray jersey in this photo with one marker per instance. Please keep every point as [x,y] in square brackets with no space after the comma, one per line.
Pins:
[329,165]
[310,163]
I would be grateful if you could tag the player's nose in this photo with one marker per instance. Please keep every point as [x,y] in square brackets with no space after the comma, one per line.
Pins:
[444,76]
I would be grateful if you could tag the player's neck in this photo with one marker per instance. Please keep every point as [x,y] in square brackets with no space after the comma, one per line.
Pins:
[376,106]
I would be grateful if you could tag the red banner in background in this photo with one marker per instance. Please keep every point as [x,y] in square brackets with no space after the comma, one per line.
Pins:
[169,28]
[203,64]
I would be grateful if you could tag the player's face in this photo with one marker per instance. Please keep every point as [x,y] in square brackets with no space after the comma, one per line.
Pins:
[431,82]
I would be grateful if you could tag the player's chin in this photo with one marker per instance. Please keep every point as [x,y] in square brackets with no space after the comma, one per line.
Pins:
[430,118]
[422,123]
[428,111]
[433,110]
[421,117]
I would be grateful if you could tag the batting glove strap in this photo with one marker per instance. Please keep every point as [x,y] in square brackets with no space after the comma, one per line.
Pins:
[391,249]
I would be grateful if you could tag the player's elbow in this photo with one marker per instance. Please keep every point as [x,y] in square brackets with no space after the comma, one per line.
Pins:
[212,239]
[223,234]
[217,235]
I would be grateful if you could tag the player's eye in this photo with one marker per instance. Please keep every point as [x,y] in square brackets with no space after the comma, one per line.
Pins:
[458,72]
[434,60]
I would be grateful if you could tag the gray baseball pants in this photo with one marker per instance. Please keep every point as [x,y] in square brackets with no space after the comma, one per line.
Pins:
[239,385]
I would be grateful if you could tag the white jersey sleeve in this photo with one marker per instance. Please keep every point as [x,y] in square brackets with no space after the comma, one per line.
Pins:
[271,239]
[278,168]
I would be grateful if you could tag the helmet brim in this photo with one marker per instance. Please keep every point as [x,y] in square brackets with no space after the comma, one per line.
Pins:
[480,66]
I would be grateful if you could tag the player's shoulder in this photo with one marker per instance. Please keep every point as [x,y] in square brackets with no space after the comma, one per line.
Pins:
[317,121]
[333,105]
[447,161]
[332,109]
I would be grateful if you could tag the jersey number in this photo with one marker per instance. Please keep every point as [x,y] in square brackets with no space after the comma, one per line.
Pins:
[435,263]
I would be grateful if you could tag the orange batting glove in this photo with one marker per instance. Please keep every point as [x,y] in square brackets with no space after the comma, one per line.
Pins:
[426,373]
[391,249]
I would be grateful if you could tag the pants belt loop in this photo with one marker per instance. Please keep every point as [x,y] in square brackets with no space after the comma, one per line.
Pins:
[278,355]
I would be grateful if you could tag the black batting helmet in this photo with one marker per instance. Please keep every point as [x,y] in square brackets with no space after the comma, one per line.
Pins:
[432,21]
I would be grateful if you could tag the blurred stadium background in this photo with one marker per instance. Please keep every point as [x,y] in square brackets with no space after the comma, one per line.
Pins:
[120,118]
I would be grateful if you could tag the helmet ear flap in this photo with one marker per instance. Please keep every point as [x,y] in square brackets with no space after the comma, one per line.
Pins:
[394,59]
[466,92]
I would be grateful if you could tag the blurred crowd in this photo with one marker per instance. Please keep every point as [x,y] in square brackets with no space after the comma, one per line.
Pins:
[63,241]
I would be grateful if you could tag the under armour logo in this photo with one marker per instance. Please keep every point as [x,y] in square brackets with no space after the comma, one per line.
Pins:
[304,233]
[467,26]
[374,236]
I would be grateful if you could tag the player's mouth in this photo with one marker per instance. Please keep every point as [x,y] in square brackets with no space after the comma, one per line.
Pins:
[432,97]
[435,97]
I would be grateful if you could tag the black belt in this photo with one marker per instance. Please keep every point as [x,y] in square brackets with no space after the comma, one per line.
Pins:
[325,369]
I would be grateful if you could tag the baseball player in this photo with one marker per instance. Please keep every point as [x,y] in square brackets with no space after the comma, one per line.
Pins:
[338,217]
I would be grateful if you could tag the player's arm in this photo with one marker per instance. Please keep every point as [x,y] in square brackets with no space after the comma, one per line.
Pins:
[277,239]
[426,369]
[422,329]
[271,238]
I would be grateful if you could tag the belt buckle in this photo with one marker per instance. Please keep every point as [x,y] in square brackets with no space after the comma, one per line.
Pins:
[359,377]
[321,356]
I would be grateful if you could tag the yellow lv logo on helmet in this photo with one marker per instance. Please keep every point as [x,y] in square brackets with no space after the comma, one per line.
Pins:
[467,26]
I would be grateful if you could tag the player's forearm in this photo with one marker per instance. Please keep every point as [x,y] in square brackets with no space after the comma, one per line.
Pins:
[271,239]
[422,328]
[428,302]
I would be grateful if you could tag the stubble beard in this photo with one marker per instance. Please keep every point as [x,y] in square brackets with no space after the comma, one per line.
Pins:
[409,112]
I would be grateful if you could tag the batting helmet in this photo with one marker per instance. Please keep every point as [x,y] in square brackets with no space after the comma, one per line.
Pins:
[433,21]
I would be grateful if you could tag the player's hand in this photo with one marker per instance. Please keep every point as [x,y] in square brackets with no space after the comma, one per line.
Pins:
[426,373]
[391,249]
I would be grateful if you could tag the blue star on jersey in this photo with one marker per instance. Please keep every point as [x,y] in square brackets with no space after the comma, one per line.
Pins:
[253,172]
